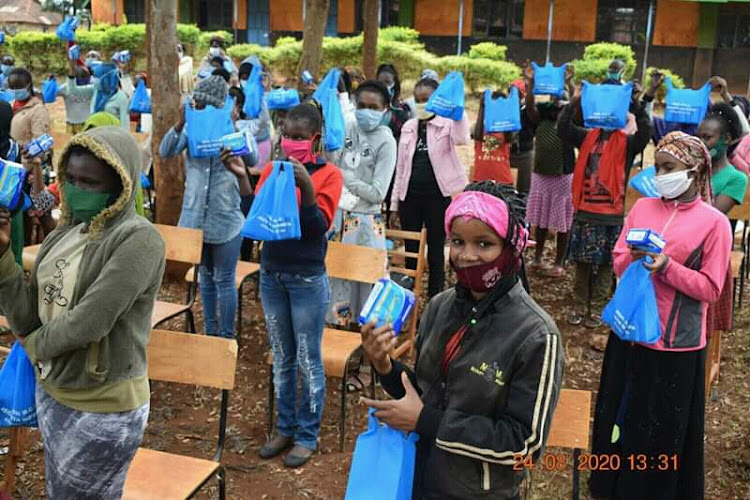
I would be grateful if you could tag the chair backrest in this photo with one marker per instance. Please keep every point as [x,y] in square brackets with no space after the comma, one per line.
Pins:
[631,194]
[397,258]
[192,359]
[182,244]
[570,424]
[741,212]
[355,263]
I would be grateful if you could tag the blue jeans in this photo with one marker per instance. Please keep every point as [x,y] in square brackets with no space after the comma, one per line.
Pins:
[218,271]
[295,309]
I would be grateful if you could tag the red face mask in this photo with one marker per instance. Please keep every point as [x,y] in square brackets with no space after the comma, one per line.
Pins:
[300,150]
[483,277]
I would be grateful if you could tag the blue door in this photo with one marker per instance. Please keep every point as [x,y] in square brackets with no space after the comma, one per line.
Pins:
[332,26]
[259,22]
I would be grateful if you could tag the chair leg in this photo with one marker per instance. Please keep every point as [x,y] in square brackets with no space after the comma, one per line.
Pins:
[576,473]
[239,314]
[190,321]
[342,417]
[222,475]
[271,400]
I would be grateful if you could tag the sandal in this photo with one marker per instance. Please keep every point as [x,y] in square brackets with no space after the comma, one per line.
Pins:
[574,319]
[354,384]
[555,272]
[592,322]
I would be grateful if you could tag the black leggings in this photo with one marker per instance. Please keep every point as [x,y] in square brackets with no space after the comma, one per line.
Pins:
[416,212]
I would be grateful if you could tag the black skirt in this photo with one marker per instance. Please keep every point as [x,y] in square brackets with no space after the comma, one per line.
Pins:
[657,399]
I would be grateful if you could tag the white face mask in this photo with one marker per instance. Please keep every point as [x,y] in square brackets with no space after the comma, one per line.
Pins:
[674,185]
[215,51]
[422,113]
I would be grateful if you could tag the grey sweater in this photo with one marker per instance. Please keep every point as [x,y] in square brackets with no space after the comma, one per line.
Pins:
[367,163]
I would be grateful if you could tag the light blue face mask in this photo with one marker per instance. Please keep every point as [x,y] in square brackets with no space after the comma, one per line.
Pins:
[21,94]
[368,119]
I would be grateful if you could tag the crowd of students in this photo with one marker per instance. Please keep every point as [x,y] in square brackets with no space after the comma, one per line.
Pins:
[489,360]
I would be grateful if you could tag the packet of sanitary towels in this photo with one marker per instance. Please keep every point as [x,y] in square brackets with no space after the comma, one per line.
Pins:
[388,303]
[239,142]
[74,52]
[39,145]
[646,240]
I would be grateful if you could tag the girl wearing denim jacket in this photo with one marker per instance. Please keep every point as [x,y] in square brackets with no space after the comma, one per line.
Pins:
[295,292]
[428,172]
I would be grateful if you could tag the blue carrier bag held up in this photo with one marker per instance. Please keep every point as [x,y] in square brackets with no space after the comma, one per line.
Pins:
[274,214]
[686,105]
[606,106]
[449,99]
[17,388]
[502,114]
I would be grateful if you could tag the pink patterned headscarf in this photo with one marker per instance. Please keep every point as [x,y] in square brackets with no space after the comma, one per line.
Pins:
[487,208]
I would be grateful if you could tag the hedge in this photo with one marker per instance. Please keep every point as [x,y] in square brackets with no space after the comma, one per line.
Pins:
[488,50]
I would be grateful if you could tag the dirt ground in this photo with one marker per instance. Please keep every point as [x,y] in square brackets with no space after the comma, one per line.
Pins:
[185,419]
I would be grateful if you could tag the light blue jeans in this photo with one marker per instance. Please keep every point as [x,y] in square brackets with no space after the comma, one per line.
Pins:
[218,271]
[295,308]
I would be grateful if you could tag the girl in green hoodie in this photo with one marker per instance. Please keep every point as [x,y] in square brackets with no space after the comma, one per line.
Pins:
[84,318]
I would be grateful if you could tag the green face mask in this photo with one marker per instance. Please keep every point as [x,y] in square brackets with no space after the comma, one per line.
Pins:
[85,205]
[718,150]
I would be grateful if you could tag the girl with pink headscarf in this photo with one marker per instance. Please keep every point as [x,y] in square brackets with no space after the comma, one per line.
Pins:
[489,360]
[651,403]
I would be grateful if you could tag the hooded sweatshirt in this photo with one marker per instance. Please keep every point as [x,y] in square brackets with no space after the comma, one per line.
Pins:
[94,353]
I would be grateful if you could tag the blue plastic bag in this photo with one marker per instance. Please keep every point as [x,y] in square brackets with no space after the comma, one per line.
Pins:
[145,182]
[17,387]
[2,38]
[254,93]
[335,127]
[449,99]
[383,463]
[12,177]
[274,214]
[6,95]
[502,114]
[49,90]
[548,79]
[282,99]
[66,31]
[644,182]
[141,101]
[205,128]
[632,313]
[329,82]
[686,105]
[606,106]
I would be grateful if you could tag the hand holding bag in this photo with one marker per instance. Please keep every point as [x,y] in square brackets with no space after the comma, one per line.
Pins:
[141,101]
[274,214]
[66,31]
[205,128]
[633,313]
[606,106]
[383,463]
[686,105]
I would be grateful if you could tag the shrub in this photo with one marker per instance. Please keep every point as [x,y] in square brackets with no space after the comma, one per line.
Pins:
[488,50]
[661,92]
[400,34]
[242,51]
[479,73]
[285,40]
[39,52]
[591,70]
[188,34]
[606,51]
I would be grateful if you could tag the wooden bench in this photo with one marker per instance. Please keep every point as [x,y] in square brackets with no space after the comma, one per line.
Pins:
[185,246]
[245,271]
[397,258]
[192,360]
[347,262]
[571,427]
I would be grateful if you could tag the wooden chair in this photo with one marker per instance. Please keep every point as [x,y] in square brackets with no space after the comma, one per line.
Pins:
[742,212]
[570,427]
[397,257]
[353,263]
[185,246]
[245,272]
[192,360]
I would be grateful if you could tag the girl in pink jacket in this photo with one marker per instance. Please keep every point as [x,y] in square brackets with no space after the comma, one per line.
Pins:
[428,172]
[651,403]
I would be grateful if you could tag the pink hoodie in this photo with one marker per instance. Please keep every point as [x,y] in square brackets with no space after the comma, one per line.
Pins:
[699,242]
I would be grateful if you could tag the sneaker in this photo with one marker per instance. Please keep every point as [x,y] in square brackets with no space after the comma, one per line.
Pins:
[276,446]
[298,456]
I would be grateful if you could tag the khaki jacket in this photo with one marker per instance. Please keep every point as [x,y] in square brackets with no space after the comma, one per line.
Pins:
[30,121]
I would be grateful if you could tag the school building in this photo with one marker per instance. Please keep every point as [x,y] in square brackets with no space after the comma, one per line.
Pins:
[693,38]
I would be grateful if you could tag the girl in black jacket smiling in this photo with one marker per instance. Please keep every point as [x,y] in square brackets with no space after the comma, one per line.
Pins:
[489,361]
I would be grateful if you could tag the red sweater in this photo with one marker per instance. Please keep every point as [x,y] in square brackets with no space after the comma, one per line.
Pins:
[306,255]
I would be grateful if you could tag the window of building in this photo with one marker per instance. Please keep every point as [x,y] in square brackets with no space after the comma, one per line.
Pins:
[135,11]
[216,14]
[622,21]
[390,12]
[498,18]
[733,29]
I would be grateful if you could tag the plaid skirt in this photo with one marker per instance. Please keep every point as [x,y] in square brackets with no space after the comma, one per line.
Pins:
[592,243]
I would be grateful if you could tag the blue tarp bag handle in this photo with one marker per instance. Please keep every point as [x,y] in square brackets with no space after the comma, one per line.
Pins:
[502,114]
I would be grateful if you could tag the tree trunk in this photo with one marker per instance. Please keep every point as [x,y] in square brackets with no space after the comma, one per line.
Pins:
[316,16]
[161,49]
[370,47]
